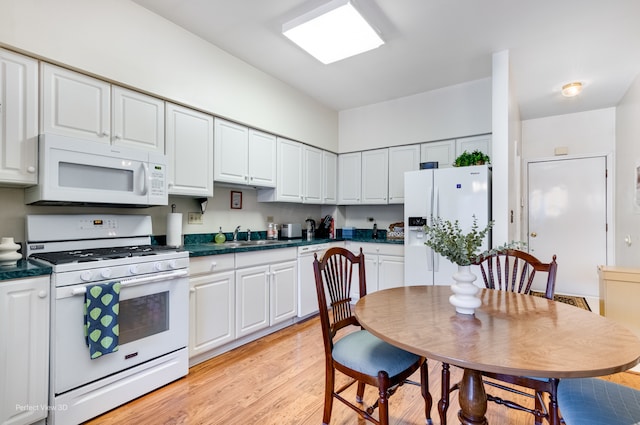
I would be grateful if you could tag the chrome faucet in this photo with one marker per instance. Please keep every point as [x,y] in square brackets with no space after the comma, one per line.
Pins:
[248,234]
[235,234]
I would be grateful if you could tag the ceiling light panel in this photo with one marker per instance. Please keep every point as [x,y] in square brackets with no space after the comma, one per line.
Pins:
[332,32]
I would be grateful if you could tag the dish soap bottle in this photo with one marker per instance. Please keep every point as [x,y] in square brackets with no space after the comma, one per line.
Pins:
[220,237]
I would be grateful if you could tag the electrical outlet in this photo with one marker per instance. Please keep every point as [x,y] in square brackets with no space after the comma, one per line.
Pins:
[194,218]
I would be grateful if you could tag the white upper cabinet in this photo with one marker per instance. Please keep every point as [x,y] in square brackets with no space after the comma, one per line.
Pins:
[401,159]
[231,152]
[18,119]
[375,176]
[444,153]
[470,144]
[189,138]
[74,105]
[349,178]
[330,178]
[289,175]
[312,173]
[137,120]
[243,155]
[262,159]
[289,187]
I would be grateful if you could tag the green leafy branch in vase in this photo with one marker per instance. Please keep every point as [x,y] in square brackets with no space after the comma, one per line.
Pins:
[447,239]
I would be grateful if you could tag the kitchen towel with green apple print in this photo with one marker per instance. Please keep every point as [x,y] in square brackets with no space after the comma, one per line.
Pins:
[101,308]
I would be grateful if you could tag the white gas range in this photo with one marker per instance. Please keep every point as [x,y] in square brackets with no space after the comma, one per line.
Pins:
[93,249]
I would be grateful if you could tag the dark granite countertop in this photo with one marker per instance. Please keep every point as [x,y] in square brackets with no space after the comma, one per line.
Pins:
[202,248]
[24,268]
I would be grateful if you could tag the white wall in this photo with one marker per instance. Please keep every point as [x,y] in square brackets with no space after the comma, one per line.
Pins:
[627,160]
[447,113]
[583,133]
[122,42]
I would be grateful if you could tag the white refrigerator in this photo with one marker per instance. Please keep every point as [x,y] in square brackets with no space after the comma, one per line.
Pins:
[456,193]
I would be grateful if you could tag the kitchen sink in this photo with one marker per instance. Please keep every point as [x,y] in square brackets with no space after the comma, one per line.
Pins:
[257,242]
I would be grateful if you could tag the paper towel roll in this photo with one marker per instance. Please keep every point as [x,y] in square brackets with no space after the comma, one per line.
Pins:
[174,229]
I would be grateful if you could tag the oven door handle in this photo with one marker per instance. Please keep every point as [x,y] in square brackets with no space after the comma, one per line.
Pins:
[139,280]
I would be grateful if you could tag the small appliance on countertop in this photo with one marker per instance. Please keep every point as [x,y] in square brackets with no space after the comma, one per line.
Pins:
[291,231]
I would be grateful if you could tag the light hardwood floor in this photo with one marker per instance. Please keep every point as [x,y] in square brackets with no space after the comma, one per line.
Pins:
[279,380]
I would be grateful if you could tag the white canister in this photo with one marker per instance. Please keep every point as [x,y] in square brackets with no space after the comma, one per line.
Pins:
[9,254]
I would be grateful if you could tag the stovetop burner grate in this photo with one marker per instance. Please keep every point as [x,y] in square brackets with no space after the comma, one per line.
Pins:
[98,254]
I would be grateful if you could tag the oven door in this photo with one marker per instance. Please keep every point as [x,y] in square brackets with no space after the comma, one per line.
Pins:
[153,321]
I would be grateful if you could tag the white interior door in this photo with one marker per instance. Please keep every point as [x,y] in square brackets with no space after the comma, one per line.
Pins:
[567,216]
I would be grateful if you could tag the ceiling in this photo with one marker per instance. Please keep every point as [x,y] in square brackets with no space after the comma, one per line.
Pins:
[430,44]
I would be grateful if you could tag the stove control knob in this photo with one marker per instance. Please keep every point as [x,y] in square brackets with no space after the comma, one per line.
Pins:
[85,275]
[172,264]
[105,273]
[157,266]
[134,269]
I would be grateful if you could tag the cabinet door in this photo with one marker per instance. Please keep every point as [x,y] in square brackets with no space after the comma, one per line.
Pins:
[470,144]
[211,311]
[75,105]
[231,152]
[289,188]
[283,291]
[330,178]
[262,159]
[252,300]
[349,178]
[375,176]
[18,119]
[24,357]
[390,271]
[401,159]
[444,153]
[137,120]
[189,151]
[312,175]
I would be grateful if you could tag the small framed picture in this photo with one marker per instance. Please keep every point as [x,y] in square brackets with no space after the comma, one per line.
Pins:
[236,200]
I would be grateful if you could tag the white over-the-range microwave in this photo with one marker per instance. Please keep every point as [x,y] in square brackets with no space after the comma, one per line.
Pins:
[74,171]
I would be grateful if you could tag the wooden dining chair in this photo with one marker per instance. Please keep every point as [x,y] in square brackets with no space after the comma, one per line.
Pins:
[514,270]
[358,354]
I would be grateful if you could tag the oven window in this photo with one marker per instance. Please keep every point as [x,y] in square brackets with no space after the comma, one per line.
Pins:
[143,316]
[94,177]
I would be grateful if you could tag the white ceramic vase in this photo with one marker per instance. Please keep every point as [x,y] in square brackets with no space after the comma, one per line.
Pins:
[464,297]
[9,254]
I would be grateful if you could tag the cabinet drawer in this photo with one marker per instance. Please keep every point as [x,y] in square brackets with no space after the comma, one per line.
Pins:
[267,256]
[211,264]
[375,248]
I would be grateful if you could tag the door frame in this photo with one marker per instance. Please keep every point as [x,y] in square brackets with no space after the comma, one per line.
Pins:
[610,185]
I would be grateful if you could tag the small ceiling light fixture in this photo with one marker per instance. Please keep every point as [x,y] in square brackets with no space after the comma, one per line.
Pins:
[572,89]
[332,32]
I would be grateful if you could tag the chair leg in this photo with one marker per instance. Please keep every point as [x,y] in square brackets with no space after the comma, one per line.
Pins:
[328,395]
[443,405]
[554,415]
[424,384]
[360,392]
[383,405]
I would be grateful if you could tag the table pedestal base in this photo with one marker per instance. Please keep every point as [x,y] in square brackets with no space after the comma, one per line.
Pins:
[472,398]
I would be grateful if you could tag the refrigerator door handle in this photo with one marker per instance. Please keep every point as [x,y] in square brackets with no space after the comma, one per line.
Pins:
[430,259]
[436,202]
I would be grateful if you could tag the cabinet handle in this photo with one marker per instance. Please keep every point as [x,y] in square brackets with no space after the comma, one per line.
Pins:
[42,294]
[213,265]
[192,290]
[31,169]
[118,137]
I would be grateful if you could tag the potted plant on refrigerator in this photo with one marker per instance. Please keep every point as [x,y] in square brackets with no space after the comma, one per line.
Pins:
[474,158]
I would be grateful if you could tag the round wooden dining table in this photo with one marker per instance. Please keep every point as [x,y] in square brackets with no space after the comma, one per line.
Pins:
[509,333]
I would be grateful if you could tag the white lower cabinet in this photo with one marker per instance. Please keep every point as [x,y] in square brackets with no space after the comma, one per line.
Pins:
[252,299]
[24,357]
[384,265]
[211,303]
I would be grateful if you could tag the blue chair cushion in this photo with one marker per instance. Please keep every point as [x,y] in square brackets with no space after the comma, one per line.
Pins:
[586,401]
[368,354]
